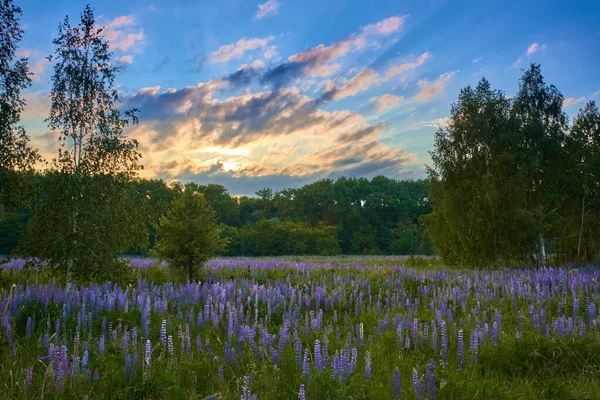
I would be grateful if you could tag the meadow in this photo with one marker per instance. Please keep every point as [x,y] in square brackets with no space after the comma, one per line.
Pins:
[304,328]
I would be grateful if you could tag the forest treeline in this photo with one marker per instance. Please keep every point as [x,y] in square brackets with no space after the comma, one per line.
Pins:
[327,217]
[512,181]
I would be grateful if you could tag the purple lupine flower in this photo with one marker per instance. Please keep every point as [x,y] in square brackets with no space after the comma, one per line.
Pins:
[125,342]
[575,306]
[461,349]
[495,334]
[135,359]
[198,343]
[306,365]
[29,377]
[368,366]
[444,351]
[28,328]
[318,359]
[430,380]
[301,393]
[163,333]
[84,360]
[353,359]
[246,394]
[170,345]
[148,355]
[101,345]
[188,344]
[474,347]
[134,334]
[415,332]
[416,383]
[298,346]
[399,335]
[127,366]
[590,311]
[396,388]
[96,375]
[434,336]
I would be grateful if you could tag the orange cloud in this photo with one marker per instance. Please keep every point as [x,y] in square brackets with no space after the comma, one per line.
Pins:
[429,90]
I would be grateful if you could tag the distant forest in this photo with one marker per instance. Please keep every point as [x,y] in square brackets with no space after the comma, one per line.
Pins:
[327,217]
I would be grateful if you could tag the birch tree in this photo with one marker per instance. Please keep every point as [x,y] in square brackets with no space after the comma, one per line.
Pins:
[84,220]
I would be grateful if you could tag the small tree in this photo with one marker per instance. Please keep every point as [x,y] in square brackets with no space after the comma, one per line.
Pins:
[189,233]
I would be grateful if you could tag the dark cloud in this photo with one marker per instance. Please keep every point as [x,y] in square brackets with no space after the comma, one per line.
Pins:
[241,77]
[281,75]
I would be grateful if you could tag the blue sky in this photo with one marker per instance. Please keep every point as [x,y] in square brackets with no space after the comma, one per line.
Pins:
[280,93]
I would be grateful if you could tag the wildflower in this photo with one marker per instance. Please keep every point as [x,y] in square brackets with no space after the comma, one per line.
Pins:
[318,360]
[396,389]
[461,349]
[495,334]
[170,345]
[430,380]
[368,366]
[28,328]
[474,347]
[163,333]
[305,365]
[301,393]
[444,352]
[127,366]
[148,354]
[29,377]
[416,383]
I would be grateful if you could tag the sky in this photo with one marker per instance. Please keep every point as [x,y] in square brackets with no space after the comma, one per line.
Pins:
[252,94]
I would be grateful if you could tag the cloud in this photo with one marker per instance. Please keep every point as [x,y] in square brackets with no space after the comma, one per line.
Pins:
[571,101]
[361,158]
[408,66]
[532,49]
[359,83]
[385,27]
[238,49]
[128,59]
[428,90]
[25,53]
[476,60]
[270,7]
[191,132]
[38,69]
[517,63]
[123,35]
[596,93]
[386,102]
[322,61]
[436,123]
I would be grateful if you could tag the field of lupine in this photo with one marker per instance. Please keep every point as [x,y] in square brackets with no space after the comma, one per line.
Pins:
[330,328]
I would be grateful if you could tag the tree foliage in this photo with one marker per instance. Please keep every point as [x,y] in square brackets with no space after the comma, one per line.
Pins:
[507,175]
[189,233]
[84,201]
[16,156]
